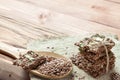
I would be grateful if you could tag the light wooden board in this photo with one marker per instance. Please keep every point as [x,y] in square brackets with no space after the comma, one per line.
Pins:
[106,12]
[21,21]
[24,20]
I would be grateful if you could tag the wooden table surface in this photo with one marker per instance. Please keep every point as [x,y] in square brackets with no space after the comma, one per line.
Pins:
[25,20]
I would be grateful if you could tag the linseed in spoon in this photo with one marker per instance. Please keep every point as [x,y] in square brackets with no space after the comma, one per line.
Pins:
[56,67]
[46,65]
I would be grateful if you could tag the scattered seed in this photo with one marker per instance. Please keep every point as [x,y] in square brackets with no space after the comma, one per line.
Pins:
[10,75]
[52,47]
[48,47]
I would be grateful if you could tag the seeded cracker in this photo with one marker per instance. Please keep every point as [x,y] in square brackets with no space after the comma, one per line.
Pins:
[95,56]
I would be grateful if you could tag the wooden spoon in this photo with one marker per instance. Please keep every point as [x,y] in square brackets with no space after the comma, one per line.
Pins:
[40,53]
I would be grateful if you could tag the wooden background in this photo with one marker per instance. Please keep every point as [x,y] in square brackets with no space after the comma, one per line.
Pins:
[24,20]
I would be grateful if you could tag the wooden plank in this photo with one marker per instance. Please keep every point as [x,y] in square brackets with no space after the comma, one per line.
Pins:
[23,22]
[114,1]
[95,10]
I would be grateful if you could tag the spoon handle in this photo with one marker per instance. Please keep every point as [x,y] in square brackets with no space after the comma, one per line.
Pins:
[11,72]
[7,70]
[10,51]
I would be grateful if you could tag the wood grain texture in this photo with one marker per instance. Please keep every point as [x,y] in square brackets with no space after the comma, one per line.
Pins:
[114,1]
[25,20]
[100,11]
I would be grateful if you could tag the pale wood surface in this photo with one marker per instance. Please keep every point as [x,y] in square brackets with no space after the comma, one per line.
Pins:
[24,20]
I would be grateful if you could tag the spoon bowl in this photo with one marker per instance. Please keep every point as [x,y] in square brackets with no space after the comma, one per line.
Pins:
[51,54]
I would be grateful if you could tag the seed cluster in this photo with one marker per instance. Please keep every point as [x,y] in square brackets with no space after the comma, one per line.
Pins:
[95,56]
[115,76]
[57,67]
